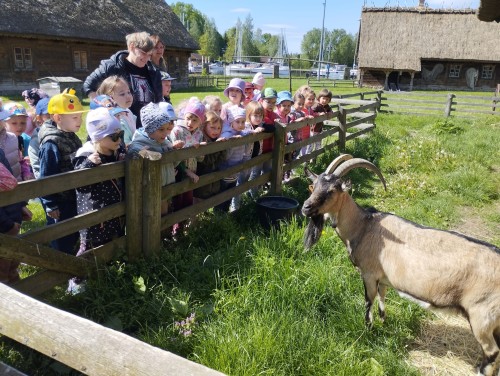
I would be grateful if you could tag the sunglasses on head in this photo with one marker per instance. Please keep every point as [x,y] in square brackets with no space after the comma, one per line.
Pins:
[116,136]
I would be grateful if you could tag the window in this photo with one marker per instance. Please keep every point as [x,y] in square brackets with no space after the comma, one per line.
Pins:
[23,58]
[455,70]
[80,60]
[487,72]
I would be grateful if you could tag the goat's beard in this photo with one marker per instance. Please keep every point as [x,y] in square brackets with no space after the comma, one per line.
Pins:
[313,230]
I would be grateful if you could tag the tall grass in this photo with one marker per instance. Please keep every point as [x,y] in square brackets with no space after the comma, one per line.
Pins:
[244,301]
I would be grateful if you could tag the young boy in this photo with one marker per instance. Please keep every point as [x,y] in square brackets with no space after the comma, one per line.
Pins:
[42,115]
[58,145]
[166,85]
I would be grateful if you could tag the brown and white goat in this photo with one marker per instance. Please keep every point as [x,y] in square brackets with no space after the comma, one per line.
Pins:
[440,269]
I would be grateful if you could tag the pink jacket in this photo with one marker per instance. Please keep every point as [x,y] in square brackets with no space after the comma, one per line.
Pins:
[10,145]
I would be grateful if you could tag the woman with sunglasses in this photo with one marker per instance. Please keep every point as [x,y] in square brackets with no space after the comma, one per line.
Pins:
[135,66]
[105,146]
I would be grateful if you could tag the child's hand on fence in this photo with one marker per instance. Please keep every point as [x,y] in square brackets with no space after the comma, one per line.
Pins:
[236,136]
[53,214]
[27,215]
[194,178]
[258,130]
[178,144]
[196,145]
[14,230]
[95,158]
[221,139]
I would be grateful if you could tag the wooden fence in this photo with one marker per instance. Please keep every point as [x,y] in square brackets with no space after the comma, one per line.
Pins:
[424,103]
[141,210]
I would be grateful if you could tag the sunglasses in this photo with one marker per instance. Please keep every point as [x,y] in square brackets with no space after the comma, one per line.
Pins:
[116,136]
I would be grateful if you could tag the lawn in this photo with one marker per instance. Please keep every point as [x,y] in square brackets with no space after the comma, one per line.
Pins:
[245,301]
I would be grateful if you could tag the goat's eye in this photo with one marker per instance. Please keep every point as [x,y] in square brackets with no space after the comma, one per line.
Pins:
[311,188]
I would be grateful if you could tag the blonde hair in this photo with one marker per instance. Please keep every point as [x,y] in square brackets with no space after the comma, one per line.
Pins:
[108,86]
[141,40]
[211,116]
[210,100]
[254,107]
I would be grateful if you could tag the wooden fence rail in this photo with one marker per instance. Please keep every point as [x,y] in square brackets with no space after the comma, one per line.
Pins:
[439,104]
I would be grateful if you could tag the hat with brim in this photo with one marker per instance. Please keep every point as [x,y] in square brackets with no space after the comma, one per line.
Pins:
[15,109]
[4,115]
[269,93]
[166,77]
[235,83]
[117,110]
[100,123]
[284,96]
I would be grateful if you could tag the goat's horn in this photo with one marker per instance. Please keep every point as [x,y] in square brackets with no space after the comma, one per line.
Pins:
[341,158]
[359,162]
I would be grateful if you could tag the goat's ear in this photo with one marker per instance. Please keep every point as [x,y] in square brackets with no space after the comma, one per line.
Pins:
[346,185]
[309,174]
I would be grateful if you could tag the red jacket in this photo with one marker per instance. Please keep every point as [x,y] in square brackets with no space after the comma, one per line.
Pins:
[269,126]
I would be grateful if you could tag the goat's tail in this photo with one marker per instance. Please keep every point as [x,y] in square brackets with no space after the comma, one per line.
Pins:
[313,230]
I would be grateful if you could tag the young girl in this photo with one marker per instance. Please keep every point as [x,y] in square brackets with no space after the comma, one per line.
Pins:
[249,87]
[213,103]
[235,155]
[321,107]
[309,100]
[212,130]
[117,88]
[255,116]
[157,125]
[9,142]
[105,146]
[284,111]
[190,133]
[268,102]
[258,82]
[235,92]
[16,123]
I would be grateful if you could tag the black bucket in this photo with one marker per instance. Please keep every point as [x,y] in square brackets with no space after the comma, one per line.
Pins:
[273,209]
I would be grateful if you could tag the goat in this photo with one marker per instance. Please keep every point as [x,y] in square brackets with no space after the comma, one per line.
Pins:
[440,269]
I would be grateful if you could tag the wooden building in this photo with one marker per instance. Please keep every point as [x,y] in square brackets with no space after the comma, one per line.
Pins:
[424,48]
[41,38]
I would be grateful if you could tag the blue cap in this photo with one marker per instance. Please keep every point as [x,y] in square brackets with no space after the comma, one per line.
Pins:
[42,107]
[284,96]
[102,101]
[4,114]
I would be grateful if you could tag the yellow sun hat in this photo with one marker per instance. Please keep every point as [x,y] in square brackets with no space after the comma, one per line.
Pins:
[65,103]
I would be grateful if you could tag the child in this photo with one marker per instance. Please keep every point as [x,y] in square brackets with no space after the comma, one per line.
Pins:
[42,115]
[32,97]
[235,92]
[284,110]
[258,82]
[58,145]
[17,123]
[249,95]
[212,130]
[154,136]
[105,146]
[322,107]
[268,102]
[255,116]
[213,103]
[190,133]
[11,217]
[117,88]
[9,142]
[235,155]
[166,84]
[309,101]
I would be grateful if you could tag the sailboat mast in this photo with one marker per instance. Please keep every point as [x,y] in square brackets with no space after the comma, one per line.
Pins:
[321,42]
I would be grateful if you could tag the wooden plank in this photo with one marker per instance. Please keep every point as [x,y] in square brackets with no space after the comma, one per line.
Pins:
[45,280]
[151,208]
[84,345]
[133,197]
[70,225]
[421,101]
[477,111]
[357,102]
[68,180]
[13,248]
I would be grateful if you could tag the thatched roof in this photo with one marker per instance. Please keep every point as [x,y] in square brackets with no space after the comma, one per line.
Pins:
[98,20]
[399,38]
[489,10]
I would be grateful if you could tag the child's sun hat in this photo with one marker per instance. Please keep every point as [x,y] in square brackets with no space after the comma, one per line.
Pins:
[100,123]
[65,103]
[235,83]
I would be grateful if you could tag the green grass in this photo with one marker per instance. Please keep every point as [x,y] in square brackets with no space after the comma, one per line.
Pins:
[261,304]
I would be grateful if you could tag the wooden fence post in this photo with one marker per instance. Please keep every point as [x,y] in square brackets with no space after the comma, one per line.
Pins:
[278,158]
[379,100]
[343,128]
[449,104]
[151,208]
[133,197]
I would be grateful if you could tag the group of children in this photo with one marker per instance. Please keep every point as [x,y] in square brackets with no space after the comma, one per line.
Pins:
[50,145]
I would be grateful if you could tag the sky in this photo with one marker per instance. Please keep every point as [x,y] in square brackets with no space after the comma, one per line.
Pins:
[297,18]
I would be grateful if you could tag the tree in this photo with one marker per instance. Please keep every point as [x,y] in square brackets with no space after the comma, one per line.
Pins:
[249,48]
[311,44]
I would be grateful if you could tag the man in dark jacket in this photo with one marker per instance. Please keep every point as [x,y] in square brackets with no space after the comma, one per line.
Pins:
[135,67]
